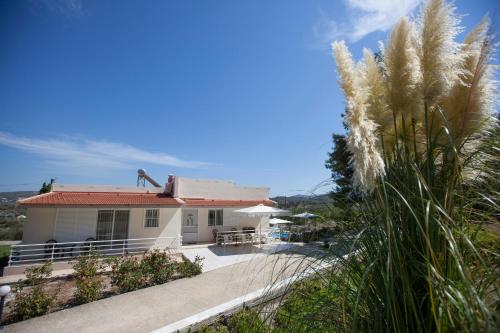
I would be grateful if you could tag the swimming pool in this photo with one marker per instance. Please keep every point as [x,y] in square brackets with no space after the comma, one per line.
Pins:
[279,235]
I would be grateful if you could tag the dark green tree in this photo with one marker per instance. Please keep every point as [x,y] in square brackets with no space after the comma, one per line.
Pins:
[46,188]
[338,163]
[345,198]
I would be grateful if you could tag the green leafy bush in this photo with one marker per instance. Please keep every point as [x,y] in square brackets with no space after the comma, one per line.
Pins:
[34,301]
[213,329]
[37,274]
[31,304]
[158,266]
[189,269]
[310,306]
[127,273]
[246,321]
[89,285]
[130,273]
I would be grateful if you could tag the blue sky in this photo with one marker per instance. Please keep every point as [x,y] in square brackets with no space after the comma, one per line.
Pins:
[90,91]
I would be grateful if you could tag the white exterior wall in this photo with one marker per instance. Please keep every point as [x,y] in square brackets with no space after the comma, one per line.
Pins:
[230,220]
[104,188]
[75,224]
[39,225]
[217,189]
[169,225]
[78,224]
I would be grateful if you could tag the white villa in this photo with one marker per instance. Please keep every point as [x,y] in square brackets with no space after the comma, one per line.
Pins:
[194,209]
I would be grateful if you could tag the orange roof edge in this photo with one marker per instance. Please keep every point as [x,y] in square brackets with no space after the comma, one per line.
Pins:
[99,199]
[129,199]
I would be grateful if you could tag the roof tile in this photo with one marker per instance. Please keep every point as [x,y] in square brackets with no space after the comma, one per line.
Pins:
[99,199]
[227,203]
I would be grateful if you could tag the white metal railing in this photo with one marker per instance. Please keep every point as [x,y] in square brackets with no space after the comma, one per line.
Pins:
[27,254]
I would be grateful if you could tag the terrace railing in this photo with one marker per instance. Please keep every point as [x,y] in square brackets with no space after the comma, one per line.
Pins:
[29,254]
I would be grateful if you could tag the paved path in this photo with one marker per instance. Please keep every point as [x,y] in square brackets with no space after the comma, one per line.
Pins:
[217,256]
[153,308]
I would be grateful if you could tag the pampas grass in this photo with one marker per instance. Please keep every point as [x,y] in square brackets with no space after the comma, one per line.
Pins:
[426,109]
[361,140]
[440,59]
[471,100]
[427,92]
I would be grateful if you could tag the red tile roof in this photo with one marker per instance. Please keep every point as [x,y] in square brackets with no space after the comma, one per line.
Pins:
[99,199]
[227,203]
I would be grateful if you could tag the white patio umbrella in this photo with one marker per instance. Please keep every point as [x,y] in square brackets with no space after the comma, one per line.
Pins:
[261,211]
[305,215]
[279,221]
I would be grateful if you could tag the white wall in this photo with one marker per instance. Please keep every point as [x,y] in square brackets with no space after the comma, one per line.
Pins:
[169,225]
[217,189]
[39,225]
[104,188]
[78,224]
[75,224]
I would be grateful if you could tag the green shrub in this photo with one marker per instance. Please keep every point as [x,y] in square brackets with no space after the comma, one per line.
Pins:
[31,304]
[310,306]
[89,285]
[34,302]
[158,267]
[189,269]
[37,274]
[127,274]
[246,321]
[213,329]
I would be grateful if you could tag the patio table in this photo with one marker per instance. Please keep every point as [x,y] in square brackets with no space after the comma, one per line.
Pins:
[235,237]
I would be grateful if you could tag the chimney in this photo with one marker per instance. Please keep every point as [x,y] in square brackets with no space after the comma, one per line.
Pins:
[169,186]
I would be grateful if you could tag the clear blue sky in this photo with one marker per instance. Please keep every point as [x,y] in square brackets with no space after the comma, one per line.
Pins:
[241,90]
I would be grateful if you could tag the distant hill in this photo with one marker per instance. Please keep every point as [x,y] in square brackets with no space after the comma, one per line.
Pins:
[10,198]
[302,201]
[11,227]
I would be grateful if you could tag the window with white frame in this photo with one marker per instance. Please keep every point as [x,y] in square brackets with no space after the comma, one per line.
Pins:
[215,217]
[152,218]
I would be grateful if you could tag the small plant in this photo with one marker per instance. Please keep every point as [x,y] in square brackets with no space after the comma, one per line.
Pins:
[189,269]
[31,304]
[89,285]
[213,329]
[127,274]
[37,274]
[311,305]
[35,301]
[158,267]
[246,321]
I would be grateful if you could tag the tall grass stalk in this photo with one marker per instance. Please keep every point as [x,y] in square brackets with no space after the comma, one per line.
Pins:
[416,267]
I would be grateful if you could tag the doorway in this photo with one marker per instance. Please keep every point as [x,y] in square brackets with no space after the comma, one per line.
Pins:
[189,226]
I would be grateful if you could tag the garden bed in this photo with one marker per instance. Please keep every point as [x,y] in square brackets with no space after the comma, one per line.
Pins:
[93,279]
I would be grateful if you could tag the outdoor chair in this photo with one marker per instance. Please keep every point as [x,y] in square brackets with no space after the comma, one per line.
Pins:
[214,235]
[227,239]
[51,248]
[233,236]
[248,234]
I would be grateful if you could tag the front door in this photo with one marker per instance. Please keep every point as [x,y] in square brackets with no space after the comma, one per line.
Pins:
[189,226]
